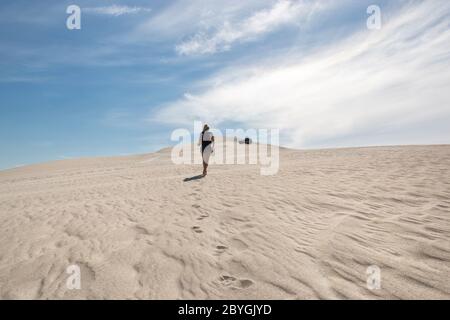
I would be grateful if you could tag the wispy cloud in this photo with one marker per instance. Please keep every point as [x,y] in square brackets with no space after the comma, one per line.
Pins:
[23,79]
[115,10]
[369,84]
[181,17]
[283,12]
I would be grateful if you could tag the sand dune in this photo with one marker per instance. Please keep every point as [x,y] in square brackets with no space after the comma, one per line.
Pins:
[139,231]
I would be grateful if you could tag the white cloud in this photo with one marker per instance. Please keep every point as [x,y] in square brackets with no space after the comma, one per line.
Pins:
[182,17]
[369,85]
[115,10]
[264,21]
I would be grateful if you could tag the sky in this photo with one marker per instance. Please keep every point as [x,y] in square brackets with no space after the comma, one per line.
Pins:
[137,70]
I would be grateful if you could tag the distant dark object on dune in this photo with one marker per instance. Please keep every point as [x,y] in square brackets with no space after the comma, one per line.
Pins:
[246,141]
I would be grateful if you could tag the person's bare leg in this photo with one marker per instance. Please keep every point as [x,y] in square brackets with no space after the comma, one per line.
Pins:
[205,167]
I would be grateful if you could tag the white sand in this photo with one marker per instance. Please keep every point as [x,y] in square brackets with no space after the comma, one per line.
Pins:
[137,230]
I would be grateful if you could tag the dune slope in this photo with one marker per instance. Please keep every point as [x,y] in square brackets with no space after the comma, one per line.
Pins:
[137,230]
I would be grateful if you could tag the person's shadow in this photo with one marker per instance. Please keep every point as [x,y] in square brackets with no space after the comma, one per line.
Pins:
[200,176]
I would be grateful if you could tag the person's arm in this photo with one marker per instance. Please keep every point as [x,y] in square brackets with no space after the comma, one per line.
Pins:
[200,139]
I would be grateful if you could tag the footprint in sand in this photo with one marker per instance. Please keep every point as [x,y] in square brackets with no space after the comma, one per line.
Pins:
[232,282]
[239,244]
[197,229]
[220,250]
[203,216]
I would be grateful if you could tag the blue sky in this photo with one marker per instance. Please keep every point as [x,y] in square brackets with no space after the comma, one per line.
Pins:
[139,69]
